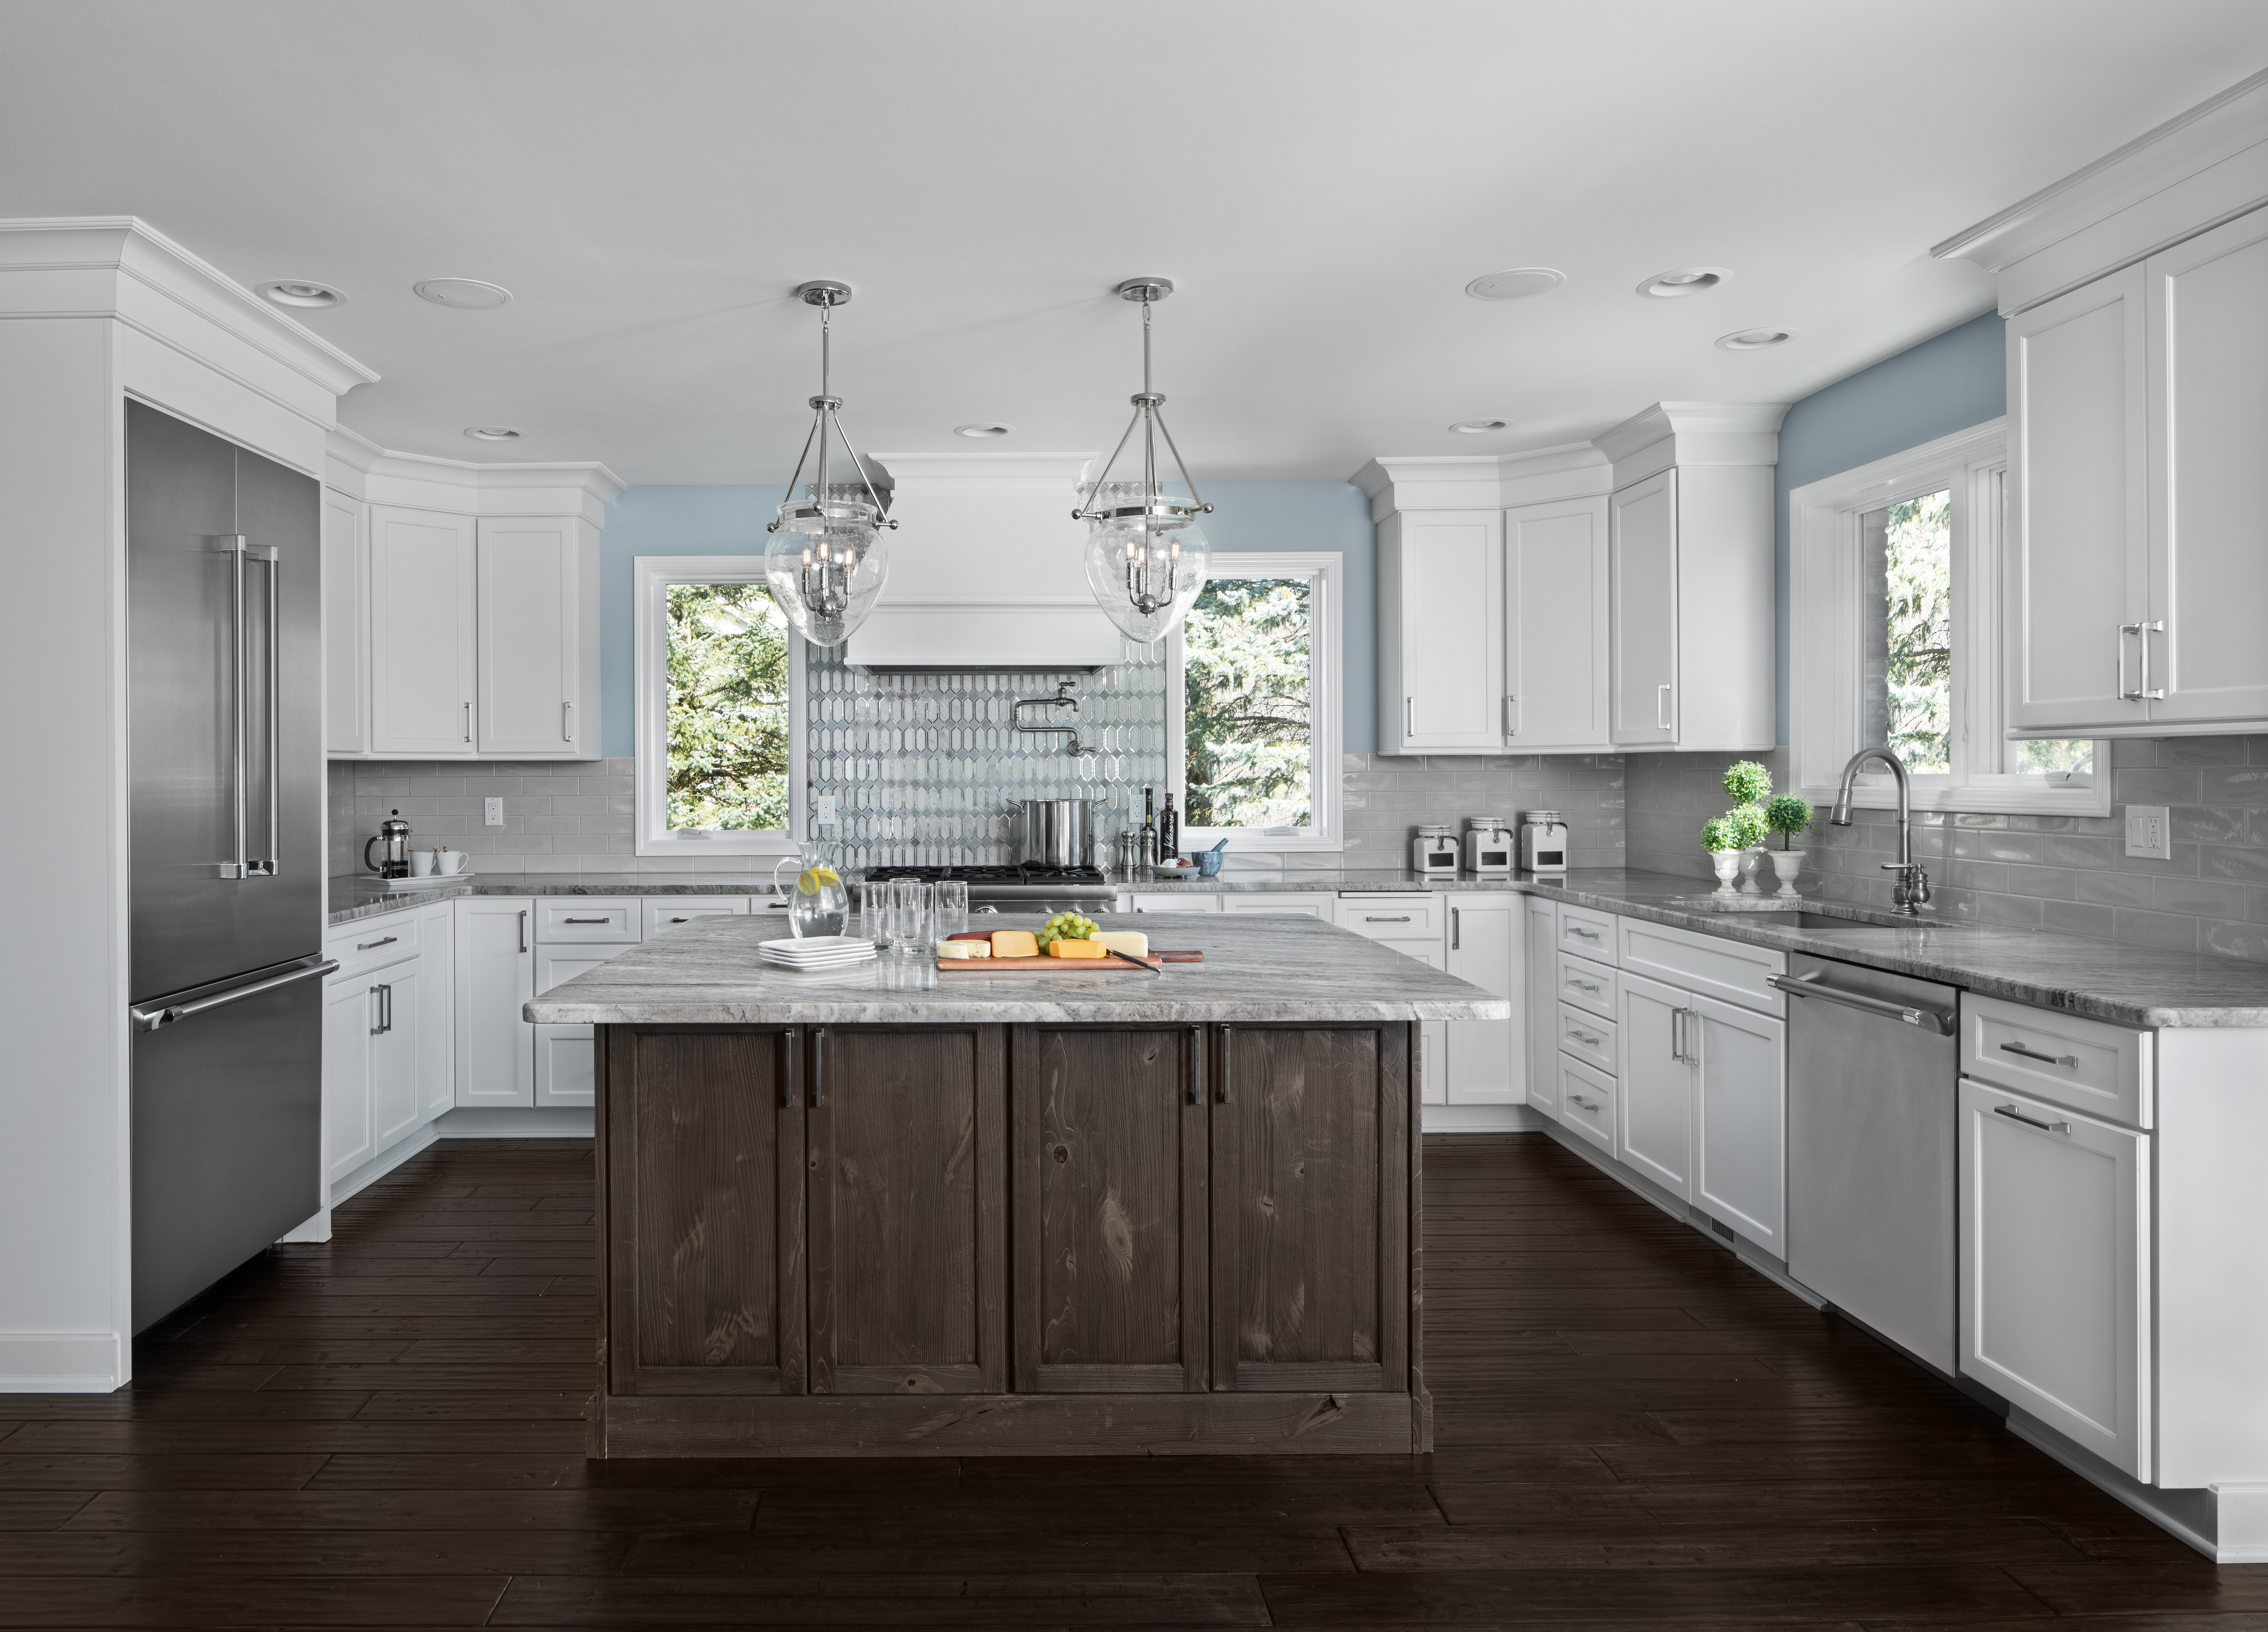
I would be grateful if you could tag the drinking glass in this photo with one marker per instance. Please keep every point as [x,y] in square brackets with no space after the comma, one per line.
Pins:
[874,914]
[912,905]
[952,907]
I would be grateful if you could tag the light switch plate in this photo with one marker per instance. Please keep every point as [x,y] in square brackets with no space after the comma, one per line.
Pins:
[2150,832]
[493,809]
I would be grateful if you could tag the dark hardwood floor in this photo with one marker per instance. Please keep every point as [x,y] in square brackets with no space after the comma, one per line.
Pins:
[1634,1431]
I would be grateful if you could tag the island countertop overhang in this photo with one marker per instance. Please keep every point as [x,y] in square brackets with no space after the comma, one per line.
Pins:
[1257,969]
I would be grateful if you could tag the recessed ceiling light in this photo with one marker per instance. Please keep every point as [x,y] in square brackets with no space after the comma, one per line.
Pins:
[1755,339]
[1518,284]
[492,433]
[1691,280]
[981,432]
[1476,427]
[298,291]
[466,294]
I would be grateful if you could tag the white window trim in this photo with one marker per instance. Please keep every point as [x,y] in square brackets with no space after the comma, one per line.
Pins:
[1824,704]
[1327,668]
[651,577]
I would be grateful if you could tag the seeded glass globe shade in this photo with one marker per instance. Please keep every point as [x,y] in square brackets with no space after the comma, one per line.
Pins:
[1146,570]
[827,562]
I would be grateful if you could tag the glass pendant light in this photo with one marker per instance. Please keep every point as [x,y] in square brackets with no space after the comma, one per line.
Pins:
[1146,556]
[826,560]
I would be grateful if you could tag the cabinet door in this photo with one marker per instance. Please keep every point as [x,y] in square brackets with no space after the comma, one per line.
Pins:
[564,1066]
[1740,1134]
[1310,1207]
[2073,565]
[705,1143]
[908,1199]
[1555,625]
[496,975]
[437,1007]
[1642,607]
[1109,1196]
[2055,1263]
[530,619]
[346,626]
[1484,1060]
[421,632]
[1542,1005]
[349,1016]
[2208,311]
[1447,642]
[397,1103]
[1654,1125]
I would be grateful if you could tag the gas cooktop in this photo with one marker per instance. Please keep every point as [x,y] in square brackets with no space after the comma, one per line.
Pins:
[1014,882]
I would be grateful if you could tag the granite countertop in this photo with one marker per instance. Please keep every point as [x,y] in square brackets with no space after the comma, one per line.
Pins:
[351,898]
[1255,969]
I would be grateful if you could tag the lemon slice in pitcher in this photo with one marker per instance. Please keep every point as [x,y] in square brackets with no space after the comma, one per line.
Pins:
[811,880]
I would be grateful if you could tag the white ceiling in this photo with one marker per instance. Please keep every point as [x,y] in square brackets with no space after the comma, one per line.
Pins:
[1321,177]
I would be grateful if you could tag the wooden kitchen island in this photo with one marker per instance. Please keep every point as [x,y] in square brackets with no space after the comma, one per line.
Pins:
[888,1211]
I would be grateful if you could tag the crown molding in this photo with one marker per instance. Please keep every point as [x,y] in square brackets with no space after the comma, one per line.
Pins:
[362,470]
[1482,481]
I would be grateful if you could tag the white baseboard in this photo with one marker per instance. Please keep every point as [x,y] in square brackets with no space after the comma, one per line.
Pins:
[1482,1119]
[485,1122]
[60,1362]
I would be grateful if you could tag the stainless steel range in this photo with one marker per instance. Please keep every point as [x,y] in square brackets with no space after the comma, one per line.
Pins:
[1026,887]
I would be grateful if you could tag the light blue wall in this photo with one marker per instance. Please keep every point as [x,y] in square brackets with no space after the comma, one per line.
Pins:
[1247,516]
[1941,386]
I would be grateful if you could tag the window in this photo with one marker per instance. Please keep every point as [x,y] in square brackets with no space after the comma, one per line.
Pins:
[719,685]
[1894,576]
[1253,705]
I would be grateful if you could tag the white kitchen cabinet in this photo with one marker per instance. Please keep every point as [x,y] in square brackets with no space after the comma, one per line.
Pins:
[349,1016]
[1484,1060]
[1643,619]
[1296,903]
[397,1099]
[565,1074]
[1653,1126]
[1556,640]
[437,1006]
[1542,921]
[495,978]
[422,681]
[1441,627]
[1740,1121]
[538,658]
[373,1060]
[2055,1268]
[346,630]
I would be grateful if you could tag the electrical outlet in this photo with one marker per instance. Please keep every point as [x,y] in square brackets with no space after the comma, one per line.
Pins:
[2150,832]
[822,809]
[493,812]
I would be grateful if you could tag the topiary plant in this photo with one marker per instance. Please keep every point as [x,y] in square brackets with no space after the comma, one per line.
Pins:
[1748,781]
[1717,834]
[1788,816]
[1747,824]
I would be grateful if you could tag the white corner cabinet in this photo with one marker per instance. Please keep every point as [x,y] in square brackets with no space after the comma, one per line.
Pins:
[2135,573]
[1541,604]
[460,605]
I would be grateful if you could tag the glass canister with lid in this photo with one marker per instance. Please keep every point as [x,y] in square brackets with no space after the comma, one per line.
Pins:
[1489,844]
[1434,851]
[1543,842]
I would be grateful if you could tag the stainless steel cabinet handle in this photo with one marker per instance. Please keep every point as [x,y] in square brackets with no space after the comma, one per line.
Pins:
[1370,918]
[523,929]
[1585,1038]
[1197,1065]
[1410,716]
[385,1007]
[170,1014]
[1228,1062]
[586,920]
[787,1068]
[1580,1102]
[1661,706]
[1456,931]
[819,1069]
[2143,630]
[2045,1060]
[365,946]
[2014,1115]
[1511,716]
[1587,985]
[1588,935]
[468,722]
[271,864]
[2125,694]
[1677,1035]
[566,722]
[1935,1022]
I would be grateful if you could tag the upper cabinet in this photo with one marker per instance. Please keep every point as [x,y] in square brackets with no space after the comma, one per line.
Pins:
[1541,602]
[461,608]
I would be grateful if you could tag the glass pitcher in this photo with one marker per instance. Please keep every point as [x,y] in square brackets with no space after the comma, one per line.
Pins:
[817,903]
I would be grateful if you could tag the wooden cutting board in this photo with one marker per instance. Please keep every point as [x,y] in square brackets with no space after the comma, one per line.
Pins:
[1116,964]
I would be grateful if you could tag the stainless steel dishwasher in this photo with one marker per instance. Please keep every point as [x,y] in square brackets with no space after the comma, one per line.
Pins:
[1872,1085]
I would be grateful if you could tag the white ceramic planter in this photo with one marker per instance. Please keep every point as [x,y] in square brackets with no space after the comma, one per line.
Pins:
[1788,867]
[1727,863]
[1752,870]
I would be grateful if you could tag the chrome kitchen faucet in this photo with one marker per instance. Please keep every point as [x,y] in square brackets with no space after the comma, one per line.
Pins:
[1912,890]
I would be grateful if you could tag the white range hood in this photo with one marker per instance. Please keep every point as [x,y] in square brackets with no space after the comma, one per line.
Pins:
[987,572]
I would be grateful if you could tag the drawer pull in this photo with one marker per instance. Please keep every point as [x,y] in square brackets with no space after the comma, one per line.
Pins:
[2014,1115]
[1584,1037]
[587,920]
[1587,986]
[1582,1103]
[2046,1060]
[365,946]
[1588,935]
[1369,918]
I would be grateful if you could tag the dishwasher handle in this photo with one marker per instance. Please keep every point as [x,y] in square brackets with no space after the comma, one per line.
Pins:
[1936,1022]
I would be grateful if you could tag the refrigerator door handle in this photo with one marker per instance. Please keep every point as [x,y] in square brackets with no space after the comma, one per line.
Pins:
[269,866]
[170,1014]
[232,545]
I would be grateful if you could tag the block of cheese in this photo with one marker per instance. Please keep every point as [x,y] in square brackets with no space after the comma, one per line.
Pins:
[964,948]
[1078,948]
[1015,943]
[1133,942]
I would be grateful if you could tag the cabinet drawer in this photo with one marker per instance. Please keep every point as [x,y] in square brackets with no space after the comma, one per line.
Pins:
[673,912]
[1298,905]
[1732,971]
[1587,1103]
[1392,918]
[368,942]
[1586,984]
[1588,1038]
[1178,901]
[2082,1065]
[586,919]
[1591,935]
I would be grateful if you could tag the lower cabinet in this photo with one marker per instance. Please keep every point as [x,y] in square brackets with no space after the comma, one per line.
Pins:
[1654,1125]
[2055,1259]
[564,1066]
[1739,1119]
[496,975]
[1543,981]
[1482,1060]
[376,1060]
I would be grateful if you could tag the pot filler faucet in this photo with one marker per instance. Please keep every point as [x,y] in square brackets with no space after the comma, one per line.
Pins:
[1911,889]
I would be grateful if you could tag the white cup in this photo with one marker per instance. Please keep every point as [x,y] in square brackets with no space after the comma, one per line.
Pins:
[421,864]
[448,861]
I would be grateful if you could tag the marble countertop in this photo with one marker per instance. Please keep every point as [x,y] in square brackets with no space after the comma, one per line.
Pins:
[349,896]
[1255,969]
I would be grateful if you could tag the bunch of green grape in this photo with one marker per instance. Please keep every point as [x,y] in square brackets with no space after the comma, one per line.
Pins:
[1066,926]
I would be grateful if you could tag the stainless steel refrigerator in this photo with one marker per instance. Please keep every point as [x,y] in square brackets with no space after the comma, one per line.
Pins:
[224,651]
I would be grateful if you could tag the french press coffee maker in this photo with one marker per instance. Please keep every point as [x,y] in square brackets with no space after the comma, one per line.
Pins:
[392,841]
